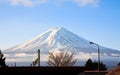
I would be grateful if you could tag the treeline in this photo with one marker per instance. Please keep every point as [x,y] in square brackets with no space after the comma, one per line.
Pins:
[64,59]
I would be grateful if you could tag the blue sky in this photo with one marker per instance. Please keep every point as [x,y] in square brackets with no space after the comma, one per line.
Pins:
[94,20]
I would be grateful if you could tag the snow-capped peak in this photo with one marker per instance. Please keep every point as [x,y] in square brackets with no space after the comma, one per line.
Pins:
[58,38]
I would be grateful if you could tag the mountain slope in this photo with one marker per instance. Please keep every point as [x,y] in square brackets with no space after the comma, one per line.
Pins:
[60,39]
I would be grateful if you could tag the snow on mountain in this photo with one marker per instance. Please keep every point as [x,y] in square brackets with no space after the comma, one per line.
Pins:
[61,39]
[58,38]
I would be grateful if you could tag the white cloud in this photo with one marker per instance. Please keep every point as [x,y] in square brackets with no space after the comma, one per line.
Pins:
[79,2]
[59,2]
[23,2]
[94,54]
[83,56]
[115,55]
[29,3]
[87,2]
[20,55]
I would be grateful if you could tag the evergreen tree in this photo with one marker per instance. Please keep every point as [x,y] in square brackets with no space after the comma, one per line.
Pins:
[103,66]
[90,65]
[2,60]
[118,64]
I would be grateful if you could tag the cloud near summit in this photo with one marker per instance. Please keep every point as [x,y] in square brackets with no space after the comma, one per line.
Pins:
[29,3]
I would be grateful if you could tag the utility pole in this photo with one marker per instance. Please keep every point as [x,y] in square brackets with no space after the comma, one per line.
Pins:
[39,57]
[32,63]
[15,64]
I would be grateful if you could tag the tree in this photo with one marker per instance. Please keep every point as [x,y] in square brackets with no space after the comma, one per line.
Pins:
[118,64]
[103,66]
[61,59]
[90,65]
[2,60]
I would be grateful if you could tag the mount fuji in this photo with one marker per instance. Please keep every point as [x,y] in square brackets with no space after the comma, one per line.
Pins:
[60,39]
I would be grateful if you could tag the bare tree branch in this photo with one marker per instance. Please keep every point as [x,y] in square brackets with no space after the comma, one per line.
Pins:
[62,59]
